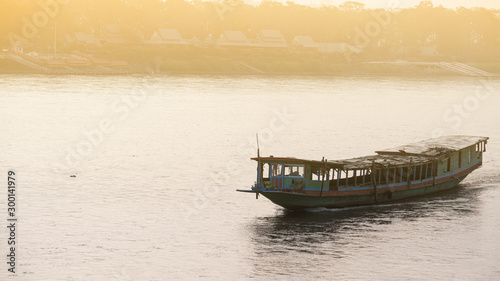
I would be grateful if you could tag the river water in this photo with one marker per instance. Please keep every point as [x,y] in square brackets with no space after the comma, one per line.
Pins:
[134,178]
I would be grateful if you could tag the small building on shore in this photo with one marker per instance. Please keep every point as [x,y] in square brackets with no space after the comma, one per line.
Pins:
[333,48]
[303,42]
[270,38]
[82,41]
[167,37]
[416,51]
[112,34]
[429,51]
[233,39]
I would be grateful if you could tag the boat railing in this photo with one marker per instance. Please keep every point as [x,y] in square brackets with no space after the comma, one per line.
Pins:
[382,175]
[339,179]
[259,186]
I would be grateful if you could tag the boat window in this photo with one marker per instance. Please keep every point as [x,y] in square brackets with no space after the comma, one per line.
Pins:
[406,173]
[448,165]
[294,171]
[277,170]
[460,158]
[469,154]
[351,177]
[317,175]
[395,175]
[334,179]
[414,172]
[333,175]
[384,176]
[427,170]
[265,170]
[367,177]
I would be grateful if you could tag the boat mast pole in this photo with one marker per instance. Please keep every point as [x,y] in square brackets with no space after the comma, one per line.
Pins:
[324,174]
[259,170]
[374,182]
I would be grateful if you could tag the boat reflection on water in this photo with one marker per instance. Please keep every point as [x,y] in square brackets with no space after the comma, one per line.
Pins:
[299,242]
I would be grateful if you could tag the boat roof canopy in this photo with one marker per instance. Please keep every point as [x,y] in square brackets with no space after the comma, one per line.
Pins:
[434,147]
[415,153]
[364,162]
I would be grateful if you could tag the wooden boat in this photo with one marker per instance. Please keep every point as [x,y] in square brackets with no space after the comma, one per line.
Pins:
[406,171]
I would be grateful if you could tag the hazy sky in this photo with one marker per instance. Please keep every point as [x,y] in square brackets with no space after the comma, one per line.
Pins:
[400,3]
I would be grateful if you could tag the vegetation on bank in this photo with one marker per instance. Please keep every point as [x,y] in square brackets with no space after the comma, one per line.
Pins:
[461,34]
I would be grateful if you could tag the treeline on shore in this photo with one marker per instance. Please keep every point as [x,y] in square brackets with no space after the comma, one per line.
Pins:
[460,34]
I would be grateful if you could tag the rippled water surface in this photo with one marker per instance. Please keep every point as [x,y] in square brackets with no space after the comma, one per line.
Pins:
[156,161]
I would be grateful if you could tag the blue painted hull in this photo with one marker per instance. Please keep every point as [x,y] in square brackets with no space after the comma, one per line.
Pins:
[299,201]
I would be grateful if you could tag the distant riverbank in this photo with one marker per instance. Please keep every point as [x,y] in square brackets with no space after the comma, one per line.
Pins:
[305,66]
[318,66]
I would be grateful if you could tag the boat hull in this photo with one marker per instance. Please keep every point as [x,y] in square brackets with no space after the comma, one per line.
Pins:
[299,201]
[406,171]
